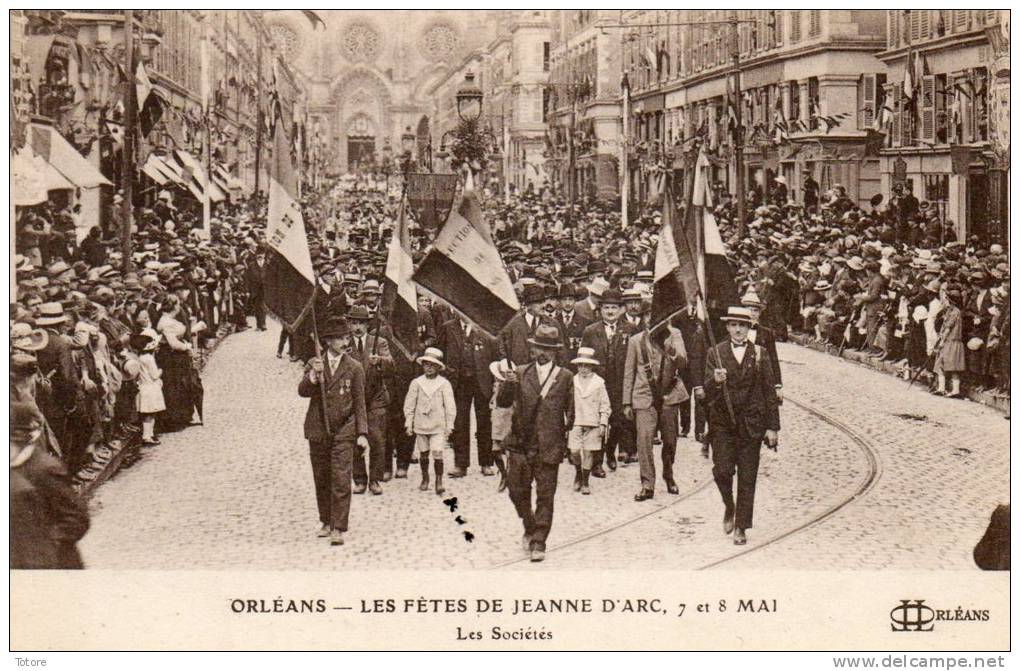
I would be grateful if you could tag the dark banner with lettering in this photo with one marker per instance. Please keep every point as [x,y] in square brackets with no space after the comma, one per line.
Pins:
[430,196]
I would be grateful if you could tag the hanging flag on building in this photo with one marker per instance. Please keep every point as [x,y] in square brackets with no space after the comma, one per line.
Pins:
[151,103]
[289,278]
[400,298]
[465,270]
[908,78]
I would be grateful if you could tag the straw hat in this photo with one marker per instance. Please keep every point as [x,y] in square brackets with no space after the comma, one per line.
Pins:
[585,355]
[28,339]
[51,314]
[737,314]
[433,355]
[500,368]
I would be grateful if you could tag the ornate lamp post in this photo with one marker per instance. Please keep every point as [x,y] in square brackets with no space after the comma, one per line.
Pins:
[469,100]
[407,144]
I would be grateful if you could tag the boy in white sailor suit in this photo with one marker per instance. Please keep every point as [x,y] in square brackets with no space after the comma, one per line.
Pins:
[591,417]
[430,411]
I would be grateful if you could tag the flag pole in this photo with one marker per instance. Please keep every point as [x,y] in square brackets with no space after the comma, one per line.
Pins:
[128,156]
[378,303]
[688,207]
[324,382]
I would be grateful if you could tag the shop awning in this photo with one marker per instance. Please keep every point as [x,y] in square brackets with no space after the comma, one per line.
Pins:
[157,169]
[32,178]
[193,176]
[58,152]
[225,180]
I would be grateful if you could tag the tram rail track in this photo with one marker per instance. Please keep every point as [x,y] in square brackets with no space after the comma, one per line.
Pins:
[861,487]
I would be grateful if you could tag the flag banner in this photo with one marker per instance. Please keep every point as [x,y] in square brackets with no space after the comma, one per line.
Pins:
[720,280]
[676,277]
[430,196]
[151,111]
[400,298]
[289,278]
[466,271]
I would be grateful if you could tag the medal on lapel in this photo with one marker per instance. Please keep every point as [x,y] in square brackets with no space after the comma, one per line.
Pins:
[346,386]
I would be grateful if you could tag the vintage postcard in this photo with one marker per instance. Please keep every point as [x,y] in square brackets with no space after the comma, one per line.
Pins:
[517,329]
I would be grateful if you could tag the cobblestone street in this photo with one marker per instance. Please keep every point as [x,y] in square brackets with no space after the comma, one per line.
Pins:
[237,492]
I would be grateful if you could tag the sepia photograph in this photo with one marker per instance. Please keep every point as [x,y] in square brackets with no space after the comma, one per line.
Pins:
[510,327]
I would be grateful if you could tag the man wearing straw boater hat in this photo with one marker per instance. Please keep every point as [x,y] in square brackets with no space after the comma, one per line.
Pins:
[543,409]
[334,381]
[743,410]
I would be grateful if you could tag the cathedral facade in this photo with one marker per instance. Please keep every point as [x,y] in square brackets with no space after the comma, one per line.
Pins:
[368,73]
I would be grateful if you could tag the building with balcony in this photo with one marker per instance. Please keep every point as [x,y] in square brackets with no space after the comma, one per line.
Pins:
[949,133]
[808,104]
[516,98]
[584,106]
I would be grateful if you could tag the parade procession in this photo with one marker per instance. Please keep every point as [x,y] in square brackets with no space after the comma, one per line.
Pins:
[531,289]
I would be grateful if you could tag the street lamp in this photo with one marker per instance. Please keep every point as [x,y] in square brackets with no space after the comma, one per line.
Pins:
[407,142]
[469,99]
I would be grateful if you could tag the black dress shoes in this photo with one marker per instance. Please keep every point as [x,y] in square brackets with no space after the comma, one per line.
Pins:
[739,537]
[671,487]
[597,472]
[644,495]
[727,521]
[611,462]
[359,488]
[457,473]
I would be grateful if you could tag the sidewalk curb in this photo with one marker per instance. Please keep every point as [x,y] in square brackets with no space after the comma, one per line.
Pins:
[1000,403]
[117,460]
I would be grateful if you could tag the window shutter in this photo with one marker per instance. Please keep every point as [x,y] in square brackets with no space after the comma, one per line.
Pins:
[928,108]
[794,27]
[915,25]
[815,27]
[866,98]
[959,20]
[897,129]
[924,23]
[779,28]
[942,121]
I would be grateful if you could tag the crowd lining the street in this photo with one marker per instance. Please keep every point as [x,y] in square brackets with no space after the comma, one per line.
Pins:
[102,360]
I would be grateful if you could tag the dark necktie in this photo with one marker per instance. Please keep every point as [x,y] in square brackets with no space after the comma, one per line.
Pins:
[361,347]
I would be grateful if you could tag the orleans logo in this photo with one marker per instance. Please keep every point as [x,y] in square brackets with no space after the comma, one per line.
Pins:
[912,615]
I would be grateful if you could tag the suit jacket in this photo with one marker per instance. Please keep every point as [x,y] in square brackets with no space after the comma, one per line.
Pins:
[47,516]
[751,390]
[585,310]
[637,389]
[345,401]
[57,363]
[764,336]
[541,427]
[514,338]
[463,353]
[254,277]
[573,331]
[378,377]
[694,342]
[612,355]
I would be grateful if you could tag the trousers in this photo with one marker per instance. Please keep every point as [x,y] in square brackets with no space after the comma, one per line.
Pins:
[734,453]
[522,471]
[331,472]
[466,391]
[648,422]
[376,449]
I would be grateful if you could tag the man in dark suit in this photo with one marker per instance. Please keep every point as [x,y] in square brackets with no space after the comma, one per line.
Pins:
[254,277]
[373,353]
[570,323]
[468,353]
[743,411]
[764,337]
[608,337]
[332,447]
[514,337]
[543,408]
[693,374]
